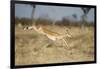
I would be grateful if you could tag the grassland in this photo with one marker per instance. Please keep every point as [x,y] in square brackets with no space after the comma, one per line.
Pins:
[33,48]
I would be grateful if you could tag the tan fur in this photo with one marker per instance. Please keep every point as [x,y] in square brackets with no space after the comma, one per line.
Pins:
[51,34]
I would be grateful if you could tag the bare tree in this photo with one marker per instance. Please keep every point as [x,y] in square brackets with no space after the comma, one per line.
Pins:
[74,16]
[85,12]
[33,11]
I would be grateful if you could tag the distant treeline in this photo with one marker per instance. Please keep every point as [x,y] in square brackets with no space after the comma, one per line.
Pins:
[43,21]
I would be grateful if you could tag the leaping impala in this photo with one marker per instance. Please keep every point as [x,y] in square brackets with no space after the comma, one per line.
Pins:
[54,36]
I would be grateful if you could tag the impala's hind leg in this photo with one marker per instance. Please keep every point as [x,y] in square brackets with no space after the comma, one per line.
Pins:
[65,42]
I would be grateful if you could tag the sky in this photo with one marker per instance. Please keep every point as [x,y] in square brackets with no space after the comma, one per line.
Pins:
[52,12]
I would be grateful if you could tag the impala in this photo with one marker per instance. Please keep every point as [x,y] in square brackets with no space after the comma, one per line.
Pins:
[54,36]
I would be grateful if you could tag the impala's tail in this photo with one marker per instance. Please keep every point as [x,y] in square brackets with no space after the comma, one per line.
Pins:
[65,35]
[68,33]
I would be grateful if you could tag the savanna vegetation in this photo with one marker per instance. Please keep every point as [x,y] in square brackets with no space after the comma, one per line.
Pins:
[33,48]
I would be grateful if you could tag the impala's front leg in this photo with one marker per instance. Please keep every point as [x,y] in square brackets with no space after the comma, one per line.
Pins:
[50,43]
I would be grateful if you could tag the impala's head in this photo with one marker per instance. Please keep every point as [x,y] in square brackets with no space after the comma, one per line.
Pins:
[28,28]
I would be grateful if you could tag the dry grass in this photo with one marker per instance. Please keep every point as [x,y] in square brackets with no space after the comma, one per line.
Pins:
[33,48]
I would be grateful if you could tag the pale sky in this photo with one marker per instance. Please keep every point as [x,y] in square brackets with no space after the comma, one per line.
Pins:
[52,12]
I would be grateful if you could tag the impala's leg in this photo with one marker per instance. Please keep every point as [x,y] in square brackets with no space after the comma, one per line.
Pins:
[65,43]
[50,43]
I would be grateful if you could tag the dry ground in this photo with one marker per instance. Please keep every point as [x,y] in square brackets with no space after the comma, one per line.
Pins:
[33,48]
